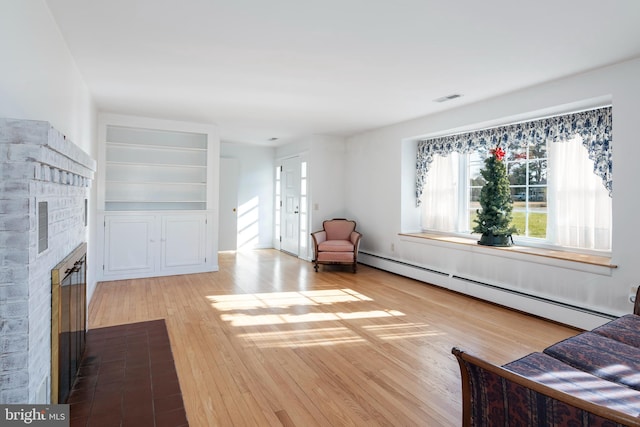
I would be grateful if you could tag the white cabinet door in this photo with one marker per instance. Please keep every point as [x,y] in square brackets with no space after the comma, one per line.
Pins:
[183,240]
[129,244]
[156,245]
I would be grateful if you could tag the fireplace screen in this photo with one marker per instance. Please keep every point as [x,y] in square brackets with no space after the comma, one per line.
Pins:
[68,321]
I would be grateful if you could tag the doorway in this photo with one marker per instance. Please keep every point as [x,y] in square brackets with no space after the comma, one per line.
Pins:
[290,209]
[228,219]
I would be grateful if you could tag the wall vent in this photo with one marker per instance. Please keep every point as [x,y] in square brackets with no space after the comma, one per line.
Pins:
[43,226]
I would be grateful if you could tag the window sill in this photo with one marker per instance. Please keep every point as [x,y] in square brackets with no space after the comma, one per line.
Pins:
[550,254]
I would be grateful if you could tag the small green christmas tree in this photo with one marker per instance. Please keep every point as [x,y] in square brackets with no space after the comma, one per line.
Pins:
[494,217]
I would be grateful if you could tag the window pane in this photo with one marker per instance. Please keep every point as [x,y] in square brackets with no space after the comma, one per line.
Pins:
[537,225]
[518,195]
[476,163]
[520,221]
[475,197]
[538,151]
[538,195]
[517,173]
[538,172]
[473,214]
[516,155]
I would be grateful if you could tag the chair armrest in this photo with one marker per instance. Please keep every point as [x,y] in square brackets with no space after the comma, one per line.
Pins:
[355,239]
[319,236]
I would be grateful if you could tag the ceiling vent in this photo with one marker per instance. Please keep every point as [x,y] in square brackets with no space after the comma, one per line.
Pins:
[448,98]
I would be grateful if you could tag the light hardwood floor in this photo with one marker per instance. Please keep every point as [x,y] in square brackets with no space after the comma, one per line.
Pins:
[266,341]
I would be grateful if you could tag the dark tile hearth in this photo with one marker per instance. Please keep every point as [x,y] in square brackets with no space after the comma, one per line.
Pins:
[127,377]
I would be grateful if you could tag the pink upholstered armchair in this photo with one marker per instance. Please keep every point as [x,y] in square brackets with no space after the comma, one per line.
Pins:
[336,243]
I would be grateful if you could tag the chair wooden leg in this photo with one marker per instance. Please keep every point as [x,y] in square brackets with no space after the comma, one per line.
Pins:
[315,267]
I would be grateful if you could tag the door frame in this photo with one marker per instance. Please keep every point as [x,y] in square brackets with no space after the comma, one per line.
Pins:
[228,217]
[289,212]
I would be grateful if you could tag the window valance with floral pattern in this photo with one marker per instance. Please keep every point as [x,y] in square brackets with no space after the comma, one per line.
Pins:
[594,126]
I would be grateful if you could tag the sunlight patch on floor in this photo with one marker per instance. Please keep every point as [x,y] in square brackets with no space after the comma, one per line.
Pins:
[244,319]
[294,315]
[303,338]
[284,299]
[402,331]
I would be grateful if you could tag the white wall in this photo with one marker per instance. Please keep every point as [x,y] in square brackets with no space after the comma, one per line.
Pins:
[382,187]
[255,185]
[39,80]
[327,183]
[38,77]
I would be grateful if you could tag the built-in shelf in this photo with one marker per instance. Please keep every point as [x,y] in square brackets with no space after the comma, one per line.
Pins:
[153,146]
[147,169]
[182,205]
[157,197]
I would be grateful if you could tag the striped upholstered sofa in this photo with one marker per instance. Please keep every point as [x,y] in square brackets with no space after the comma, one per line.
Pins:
[591,379]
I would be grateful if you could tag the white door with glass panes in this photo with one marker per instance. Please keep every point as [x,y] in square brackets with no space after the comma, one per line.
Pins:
[290,212]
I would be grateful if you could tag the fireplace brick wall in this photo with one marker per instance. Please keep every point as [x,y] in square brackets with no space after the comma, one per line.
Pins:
[37,164]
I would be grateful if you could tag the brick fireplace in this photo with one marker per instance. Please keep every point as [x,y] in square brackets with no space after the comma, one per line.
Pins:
[44,192]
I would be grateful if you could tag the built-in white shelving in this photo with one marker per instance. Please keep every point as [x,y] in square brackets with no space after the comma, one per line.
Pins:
[148,169]
[157,197]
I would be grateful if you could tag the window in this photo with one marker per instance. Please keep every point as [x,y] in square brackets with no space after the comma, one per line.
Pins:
[557,198]
[278,201]
[527,173]
[304,220]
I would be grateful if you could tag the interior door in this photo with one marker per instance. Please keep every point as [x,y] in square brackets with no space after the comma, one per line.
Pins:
[290,191]
[228,220]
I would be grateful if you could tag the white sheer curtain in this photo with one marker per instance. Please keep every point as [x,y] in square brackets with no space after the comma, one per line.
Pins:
[579,205]
[440,196]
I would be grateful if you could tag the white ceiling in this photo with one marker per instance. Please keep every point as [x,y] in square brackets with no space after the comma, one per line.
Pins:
[290,68]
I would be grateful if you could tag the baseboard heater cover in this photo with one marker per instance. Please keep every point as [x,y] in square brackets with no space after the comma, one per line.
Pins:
[538,298]
[588,319]
[407,264]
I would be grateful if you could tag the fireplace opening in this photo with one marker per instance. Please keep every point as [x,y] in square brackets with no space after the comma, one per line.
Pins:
[68,321]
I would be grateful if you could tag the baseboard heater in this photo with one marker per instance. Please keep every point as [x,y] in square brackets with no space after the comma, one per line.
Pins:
[538,298]
[404,263]
[588,320]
